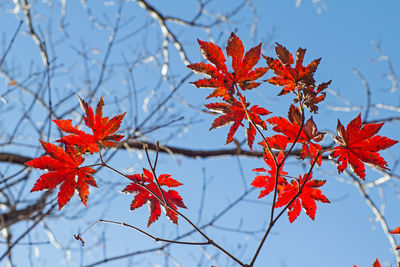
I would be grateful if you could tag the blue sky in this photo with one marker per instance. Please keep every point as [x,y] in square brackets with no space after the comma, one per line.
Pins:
[344,232]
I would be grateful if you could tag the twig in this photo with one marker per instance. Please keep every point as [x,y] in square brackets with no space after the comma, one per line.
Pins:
[157,239]
[204,226]
[167,33]
[11,43]
[272,223]
[377,213]
[367,91]
[153,170]
[32,32]
[278,167]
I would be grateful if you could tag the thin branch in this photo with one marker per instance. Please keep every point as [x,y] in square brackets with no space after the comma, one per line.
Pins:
[153,170]
[32,32]
[278,167]
[157,239]
[167,33]
[380,217]
[272,223]
[204,226]
[11,43]
[367,91]
[14,158]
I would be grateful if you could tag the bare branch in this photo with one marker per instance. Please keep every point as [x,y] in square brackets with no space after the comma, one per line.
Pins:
[28,19]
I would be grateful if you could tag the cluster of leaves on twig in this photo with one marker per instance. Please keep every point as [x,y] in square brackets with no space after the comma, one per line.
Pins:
[64,165]
[357,143]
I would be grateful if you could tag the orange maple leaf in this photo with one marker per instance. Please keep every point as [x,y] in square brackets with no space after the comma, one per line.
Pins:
[103,129]
[221,80]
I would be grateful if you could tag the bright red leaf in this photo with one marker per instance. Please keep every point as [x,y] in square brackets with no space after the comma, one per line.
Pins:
[63,168]
[290,129]
[103,129]
[233,112]
[221,80]
[287,76]
[142,184]
[268,181]
[306,199]
[359,143]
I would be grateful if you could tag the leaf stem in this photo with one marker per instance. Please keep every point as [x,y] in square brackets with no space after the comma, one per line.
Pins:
[92,165]
[255,125]
[101,157]
[153,170]
[278,167]
[280,164]
[272,222]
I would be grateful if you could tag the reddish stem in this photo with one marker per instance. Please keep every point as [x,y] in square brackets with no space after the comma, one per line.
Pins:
[278,167]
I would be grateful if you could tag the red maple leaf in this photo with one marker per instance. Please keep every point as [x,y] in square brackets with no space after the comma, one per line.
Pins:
[306,199]
[103,129]
[396,231]
[63,168]
[268,181]
[143,184]
[290,129]
[221,80]
[359,143]
[233,112]
[287,76]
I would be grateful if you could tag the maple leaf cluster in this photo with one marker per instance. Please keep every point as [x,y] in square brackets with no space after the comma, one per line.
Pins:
[231,85]
[64,164]
[234,109]
[299,80]
[356,145]
[226,85]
